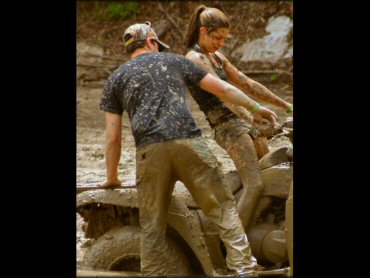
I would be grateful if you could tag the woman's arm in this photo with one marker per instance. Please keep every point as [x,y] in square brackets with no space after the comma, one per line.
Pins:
[229,93]
[248,85]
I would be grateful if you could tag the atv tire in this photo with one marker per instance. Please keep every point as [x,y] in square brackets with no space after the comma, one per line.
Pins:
[119,250]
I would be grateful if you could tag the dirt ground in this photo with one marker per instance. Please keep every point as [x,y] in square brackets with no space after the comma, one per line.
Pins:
[90,121]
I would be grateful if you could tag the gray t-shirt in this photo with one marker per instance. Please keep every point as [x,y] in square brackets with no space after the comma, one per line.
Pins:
[151,88]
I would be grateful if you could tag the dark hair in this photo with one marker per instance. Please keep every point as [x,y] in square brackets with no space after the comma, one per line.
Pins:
[211,18]
[135,45]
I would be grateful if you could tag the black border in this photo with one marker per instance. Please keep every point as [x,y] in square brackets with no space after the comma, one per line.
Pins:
[42,194]
[40,215]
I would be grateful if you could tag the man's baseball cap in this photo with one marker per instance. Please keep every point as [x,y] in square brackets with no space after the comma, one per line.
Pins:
[140,32]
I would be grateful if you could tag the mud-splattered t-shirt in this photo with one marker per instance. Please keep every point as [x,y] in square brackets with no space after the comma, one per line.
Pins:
[151,88]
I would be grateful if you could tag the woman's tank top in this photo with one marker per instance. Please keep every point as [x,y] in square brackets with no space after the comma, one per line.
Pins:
[214,109]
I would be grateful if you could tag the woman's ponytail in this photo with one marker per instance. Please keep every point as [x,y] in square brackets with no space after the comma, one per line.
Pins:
[194,25]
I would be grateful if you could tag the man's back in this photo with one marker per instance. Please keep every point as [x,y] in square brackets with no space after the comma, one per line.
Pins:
[151,88]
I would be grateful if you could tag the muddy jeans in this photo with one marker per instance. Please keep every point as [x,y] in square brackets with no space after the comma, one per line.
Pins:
[236,137]
[190,161]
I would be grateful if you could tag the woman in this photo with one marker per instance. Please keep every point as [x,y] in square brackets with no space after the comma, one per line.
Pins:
[208,29]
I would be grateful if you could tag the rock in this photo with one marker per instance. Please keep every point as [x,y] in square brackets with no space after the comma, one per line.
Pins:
[270,48]
[277,180]
[89,57]
[276,157]
[278,141]
[89,53]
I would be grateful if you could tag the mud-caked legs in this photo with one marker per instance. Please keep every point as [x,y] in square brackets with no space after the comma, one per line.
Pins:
[243,153]
[236,140]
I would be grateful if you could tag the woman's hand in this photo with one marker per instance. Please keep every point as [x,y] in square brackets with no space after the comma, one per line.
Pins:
[264,113]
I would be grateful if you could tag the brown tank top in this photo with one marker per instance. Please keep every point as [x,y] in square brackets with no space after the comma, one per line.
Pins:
[214,109]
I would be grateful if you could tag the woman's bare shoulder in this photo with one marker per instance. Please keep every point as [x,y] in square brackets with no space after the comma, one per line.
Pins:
[195,56]
[200,59]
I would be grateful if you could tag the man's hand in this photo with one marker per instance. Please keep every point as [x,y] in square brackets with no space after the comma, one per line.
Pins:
[265,114]
[110,184]
[112,149]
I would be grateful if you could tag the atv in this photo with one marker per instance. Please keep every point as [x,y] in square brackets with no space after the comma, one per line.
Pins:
[113,230]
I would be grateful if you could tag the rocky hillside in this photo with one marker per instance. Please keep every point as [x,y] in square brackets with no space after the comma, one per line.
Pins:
[100,26]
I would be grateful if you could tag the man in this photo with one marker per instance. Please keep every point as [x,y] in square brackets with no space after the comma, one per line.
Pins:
[169,146]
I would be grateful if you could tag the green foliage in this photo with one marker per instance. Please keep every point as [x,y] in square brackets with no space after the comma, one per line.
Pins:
[115,10]
[274,77]
[120,11]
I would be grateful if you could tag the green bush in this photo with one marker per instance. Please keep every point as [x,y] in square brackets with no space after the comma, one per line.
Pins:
[274,77]
[120,11]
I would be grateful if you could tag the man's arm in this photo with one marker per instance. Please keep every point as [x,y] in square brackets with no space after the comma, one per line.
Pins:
[227,92]
[113,139]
